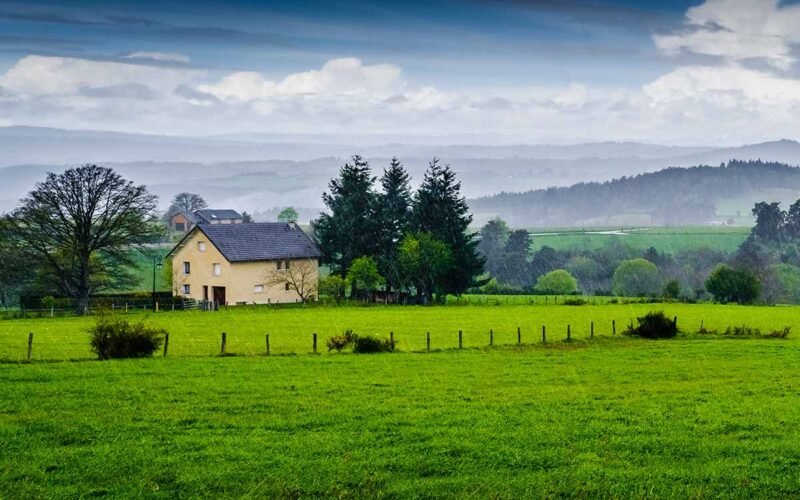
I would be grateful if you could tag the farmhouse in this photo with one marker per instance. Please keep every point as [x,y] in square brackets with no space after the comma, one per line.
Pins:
[252,263]
[185,221]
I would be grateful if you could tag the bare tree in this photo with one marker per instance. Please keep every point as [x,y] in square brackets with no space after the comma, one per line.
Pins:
[301,276]
[82,227]
[189,202]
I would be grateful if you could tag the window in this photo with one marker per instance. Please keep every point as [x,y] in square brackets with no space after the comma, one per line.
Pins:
[201,246]
[286,264]
[187,268]
[180,226]
[258,289]
[280,264]
[186,289]
[217,269]
[286,286]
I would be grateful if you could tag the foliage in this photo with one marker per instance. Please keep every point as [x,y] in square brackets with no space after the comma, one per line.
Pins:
[425,262]
[769,222]
[439,209]
[575,301]
[557,282]
[80,226]
[288,214]
[334,287]
[654,325]
[788,277]
[246,218]
[636,278]
[493,237]
[186,203]
[367,344]
[342,341]
[115,337]
[729,284]
[363,275]
[393,211]
[672,289]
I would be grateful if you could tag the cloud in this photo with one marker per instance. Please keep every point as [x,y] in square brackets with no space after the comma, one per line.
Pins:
[121,91]
[737,31]
[159,56]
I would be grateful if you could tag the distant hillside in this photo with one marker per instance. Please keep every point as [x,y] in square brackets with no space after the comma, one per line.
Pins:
[674,196]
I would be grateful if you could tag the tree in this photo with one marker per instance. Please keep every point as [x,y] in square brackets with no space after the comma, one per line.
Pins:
[558,282]
[729,284]
[392,213]
[440,209]
[246,218]
[186,203]
[588,273]
[492,244]
[672,289]
[17,266]
[636,278]
[769,222]
[789,280]
[363,275]
[545,260]
[515,270]
[81,226]
[301,278]
[792,224]
[425,262]
[288,214]
[348,230]
[333,286]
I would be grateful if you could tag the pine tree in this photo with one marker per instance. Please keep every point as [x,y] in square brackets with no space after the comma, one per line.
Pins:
[440,210]
[393,210]
[349,229]
[516,253]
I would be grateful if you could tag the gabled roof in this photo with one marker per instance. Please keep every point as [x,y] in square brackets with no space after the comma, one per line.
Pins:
[210,214]
[188,215]
[258,241]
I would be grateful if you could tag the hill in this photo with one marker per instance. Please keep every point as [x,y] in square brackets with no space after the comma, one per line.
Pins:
[674,196]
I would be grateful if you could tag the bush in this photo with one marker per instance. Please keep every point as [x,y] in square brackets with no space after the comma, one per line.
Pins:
[575,301]
[654,325]
[728,284]
[367,344]
[114,338]
[672,289]
[339,342]
[558,282]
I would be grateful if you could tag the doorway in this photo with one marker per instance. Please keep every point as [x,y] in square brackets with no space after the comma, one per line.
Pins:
[219,295]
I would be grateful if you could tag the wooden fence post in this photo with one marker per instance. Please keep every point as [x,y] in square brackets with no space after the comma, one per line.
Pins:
[30,345]
[491,336]
[224,342]
[544,334]
[391,339]
[428,338]
[315,343]
[701,325]
[460,343]
[166,344]
[568,333]
[268,344]
[591,331]
[519,335]
[613,327]
[675,321]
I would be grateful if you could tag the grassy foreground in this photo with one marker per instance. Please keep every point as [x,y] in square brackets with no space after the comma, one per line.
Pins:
[689,417]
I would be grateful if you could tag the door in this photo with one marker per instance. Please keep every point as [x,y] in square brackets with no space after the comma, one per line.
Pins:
[219,295]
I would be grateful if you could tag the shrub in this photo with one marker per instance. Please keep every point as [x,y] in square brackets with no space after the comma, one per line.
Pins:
[339,342]
[636,278]
[654,325]
[672,289]
[558,282]
[575,301]
[367,344]
[779,334]
[116,338]
[727,284]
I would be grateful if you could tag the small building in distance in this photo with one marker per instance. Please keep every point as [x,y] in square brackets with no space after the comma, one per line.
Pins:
[184,221]
[252,263]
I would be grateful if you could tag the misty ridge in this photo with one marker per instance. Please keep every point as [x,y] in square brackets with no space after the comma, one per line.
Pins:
[261,172]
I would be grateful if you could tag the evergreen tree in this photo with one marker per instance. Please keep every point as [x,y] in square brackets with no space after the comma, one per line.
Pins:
[440,210]
[769,222]
[793,221]
[491,246]
[393,210]
[516,258]
[348,230]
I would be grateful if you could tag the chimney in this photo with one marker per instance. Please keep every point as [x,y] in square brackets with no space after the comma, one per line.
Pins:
[292,225]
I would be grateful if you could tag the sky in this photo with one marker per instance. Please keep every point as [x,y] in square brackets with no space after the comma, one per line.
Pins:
[721,72]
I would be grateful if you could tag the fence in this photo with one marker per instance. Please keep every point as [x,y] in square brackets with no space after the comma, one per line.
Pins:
[432,342]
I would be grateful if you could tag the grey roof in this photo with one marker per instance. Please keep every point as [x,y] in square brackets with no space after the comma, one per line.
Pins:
[189,216]
[209,214]
[260,241]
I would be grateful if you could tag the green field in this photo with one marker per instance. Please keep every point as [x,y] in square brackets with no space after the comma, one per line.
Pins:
[695,416]
[665,239]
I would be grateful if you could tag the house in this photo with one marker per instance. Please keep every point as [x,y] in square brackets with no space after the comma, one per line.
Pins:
[185,221]
[252,263]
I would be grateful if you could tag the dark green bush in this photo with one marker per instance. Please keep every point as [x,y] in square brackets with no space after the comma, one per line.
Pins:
[113,338]
[575,301]
[654,325]
[339,342]
[367,344]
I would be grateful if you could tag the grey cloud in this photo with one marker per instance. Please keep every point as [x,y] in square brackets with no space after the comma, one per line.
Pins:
[124,91]
[188,92]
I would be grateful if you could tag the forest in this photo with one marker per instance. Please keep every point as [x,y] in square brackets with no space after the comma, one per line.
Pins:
[670,197]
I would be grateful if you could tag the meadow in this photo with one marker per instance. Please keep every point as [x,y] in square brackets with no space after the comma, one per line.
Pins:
[665,239]
[612,416]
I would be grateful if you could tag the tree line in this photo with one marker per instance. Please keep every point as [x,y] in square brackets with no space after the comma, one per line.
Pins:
[380,233]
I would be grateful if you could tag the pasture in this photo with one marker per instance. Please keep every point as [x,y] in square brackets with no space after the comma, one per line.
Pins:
[694,416]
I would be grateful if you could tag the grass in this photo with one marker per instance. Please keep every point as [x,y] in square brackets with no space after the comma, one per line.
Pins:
[621,418]
[664,239]
[695,416]
[197,333]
